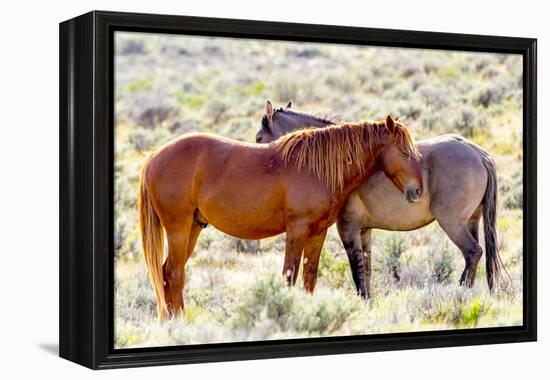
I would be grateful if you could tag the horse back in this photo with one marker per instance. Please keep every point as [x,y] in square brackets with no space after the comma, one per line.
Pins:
[208,164]
[454,179]
[457,176]
[452,161]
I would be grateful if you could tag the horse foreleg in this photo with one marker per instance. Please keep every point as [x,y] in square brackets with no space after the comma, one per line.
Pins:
[366,242]
[312,253]
[293,254]
[350,234]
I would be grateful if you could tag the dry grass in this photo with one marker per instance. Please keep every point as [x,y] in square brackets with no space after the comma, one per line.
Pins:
[233,296]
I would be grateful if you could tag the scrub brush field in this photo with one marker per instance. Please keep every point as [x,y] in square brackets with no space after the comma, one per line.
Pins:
[167,85]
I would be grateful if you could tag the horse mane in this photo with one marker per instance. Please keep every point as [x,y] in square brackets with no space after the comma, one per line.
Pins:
[325,119]
[327,152]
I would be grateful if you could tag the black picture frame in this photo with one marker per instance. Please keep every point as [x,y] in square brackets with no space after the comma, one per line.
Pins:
[86,189]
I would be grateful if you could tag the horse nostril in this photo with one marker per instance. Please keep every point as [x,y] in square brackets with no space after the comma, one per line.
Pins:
[418,192]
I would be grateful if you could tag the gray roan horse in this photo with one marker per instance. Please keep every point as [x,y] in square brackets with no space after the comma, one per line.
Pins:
[460,185]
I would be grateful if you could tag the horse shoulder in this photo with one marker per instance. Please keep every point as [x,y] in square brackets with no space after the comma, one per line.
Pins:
[354,209]
[271,164]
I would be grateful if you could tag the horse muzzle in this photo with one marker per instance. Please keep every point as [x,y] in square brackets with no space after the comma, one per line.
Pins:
[413,194]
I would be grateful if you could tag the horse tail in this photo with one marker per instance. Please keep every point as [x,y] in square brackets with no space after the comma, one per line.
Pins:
[152,240]
[493,262]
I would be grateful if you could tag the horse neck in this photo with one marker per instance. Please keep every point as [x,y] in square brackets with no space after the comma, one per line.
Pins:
[317,123]
[354,177]
[298,121]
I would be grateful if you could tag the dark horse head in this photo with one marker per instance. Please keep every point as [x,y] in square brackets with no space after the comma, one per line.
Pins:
[281,121]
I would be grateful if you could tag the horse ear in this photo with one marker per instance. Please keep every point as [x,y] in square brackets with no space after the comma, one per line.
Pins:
[390,124]
[269,109]
[289,104]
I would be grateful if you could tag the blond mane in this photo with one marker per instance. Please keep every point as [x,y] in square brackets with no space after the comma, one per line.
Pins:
[327,152]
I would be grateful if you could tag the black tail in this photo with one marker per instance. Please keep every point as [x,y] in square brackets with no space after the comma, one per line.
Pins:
[494,264]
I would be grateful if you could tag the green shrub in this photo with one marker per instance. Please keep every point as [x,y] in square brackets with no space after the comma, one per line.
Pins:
[284,90]
[333,270]
[443,265]
[465,121]
[343,82]
[290,309]
[255,89]
[491,94]
[394,244]
[434,96]
[269,297]
[247,246]
[239,129]
[431,120]
[409,69]
[471,313]
[194,101]
[141,85]
[410,109]
[512,191]
[144,139]
[130,46]
[324,314]
[215,109]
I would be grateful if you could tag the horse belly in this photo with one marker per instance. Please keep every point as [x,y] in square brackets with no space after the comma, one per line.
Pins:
[243,211]
[243,225]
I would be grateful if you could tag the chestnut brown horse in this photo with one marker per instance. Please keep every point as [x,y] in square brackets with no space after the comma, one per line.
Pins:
[460,187]
[297,185]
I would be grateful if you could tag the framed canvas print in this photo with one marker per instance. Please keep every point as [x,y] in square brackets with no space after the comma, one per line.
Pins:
[237,189]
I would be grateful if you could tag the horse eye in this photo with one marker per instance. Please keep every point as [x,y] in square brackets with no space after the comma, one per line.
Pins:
[405,154]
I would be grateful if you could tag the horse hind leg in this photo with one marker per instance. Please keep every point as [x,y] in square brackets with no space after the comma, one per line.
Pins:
[193,237]
[461,234]
[181,240]
[473,229]
[473,224]
[312,253]
[199,223]
[199,219]
[472,259]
